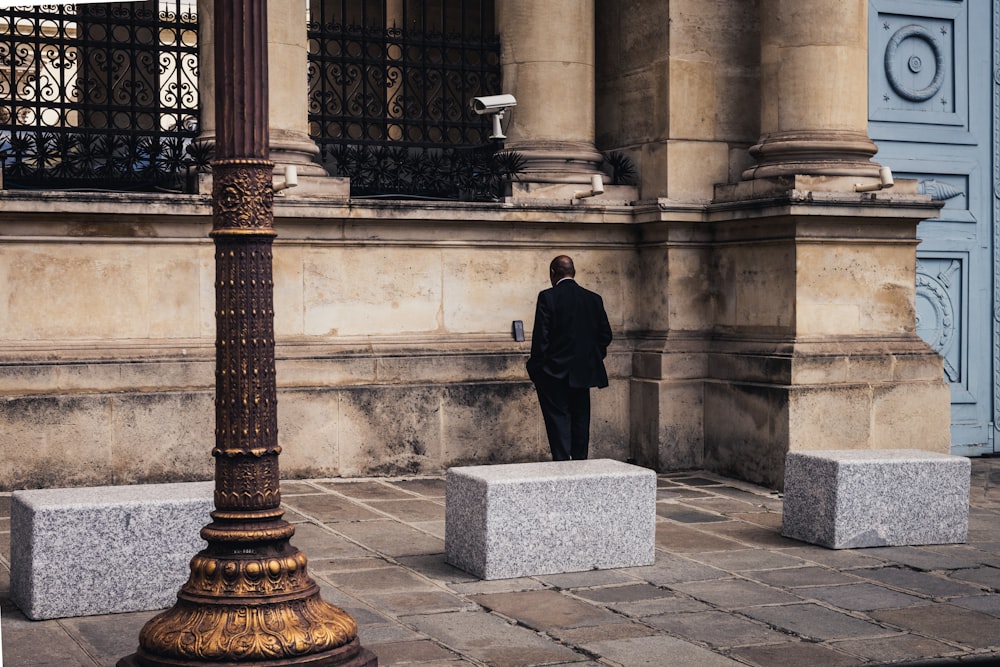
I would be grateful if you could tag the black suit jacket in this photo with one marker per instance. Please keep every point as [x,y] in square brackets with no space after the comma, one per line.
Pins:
[570,337]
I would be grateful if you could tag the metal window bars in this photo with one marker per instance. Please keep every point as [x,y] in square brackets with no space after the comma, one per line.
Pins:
[105,96]
[389,88]
[100,96]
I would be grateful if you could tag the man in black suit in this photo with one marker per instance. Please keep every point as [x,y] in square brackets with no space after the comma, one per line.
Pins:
[569,341]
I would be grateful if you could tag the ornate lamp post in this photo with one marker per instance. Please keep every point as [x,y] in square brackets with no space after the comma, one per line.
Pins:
[249,599]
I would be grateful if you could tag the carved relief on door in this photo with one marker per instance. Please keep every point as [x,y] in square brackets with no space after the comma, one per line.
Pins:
[933,107]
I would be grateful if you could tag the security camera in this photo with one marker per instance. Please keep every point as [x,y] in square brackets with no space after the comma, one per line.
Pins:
[492,104]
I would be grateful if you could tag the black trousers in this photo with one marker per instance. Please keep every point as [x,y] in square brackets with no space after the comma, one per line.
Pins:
[566,411]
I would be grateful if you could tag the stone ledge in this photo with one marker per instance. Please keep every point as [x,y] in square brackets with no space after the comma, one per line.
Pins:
[846,499]
[526,519]
[101,550]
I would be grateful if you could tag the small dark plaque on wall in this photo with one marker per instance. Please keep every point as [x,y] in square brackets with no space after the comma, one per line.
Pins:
[517,330]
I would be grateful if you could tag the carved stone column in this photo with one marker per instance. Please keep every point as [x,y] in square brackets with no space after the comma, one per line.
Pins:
[249,599]
[289,89]
[814,90]
[547,59]
[289,139]
[811,338]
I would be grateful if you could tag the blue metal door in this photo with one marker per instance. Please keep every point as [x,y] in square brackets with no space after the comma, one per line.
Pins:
[932,110]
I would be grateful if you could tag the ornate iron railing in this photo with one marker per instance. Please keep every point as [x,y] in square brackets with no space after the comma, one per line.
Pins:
[389,92]
[99,95]
[106,96]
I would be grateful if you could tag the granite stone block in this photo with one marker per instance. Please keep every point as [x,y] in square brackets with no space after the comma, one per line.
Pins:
[99,550]
[845,499]
[526,519]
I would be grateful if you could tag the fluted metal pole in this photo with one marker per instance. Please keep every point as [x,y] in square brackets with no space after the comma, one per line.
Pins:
[249,599]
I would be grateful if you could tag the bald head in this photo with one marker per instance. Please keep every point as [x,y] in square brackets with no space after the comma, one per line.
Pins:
[561,267]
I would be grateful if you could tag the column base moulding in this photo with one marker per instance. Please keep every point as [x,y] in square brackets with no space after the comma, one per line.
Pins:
[828,153]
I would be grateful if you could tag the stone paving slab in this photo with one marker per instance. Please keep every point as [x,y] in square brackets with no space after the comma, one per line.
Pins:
[347,564]
[686,514]
[434,567]
[600,633]
[813,622]
[324,543]
[947,623]
[717,629]
[929,584]
[845,559]
[489,638]
[735,593]
[809,575]
[367,490]
[610,595]
[30,643]
[670,569]
[392,538]
[794,655]
[726,506]
[674,604]
[920,558]
[745,560]
[894,649]
[416,602]
[587,579]
[545,610]
[411,509]
[498,586]
[987,577]
[387,579]
[422,651]
[987,604]
[677,538]
[432,528]
[294,488]
[107,647]
[329,508]
[979,556]
[768,519]
[679,493]
[751,534]
[861,597]
[651,651]
[430,487]
[714,586]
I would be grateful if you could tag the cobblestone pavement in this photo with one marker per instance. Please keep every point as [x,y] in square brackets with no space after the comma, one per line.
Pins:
[726,589]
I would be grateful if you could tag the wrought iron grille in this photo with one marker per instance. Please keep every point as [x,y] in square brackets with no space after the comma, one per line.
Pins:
[99,95]
[390,83]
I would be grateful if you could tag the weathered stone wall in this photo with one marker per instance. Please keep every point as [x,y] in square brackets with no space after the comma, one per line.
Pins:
[393,323]
[678,91]
[772,314]
[742,332]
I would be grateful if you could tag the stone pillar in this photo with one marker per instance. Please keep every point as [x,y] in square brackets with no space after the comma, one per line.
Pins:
[812,342]
[814,90]
[288,98]
[206,74]
[289,89]
[547,58]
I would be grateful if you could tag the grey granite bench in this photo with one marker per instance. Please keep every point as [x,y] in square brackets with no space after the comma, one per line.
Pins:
[99,550]
[526,519]
[845,499]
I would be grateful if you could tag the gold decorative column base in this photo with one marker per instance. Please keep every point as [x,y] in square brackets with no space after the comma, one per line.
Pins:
[255,608]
